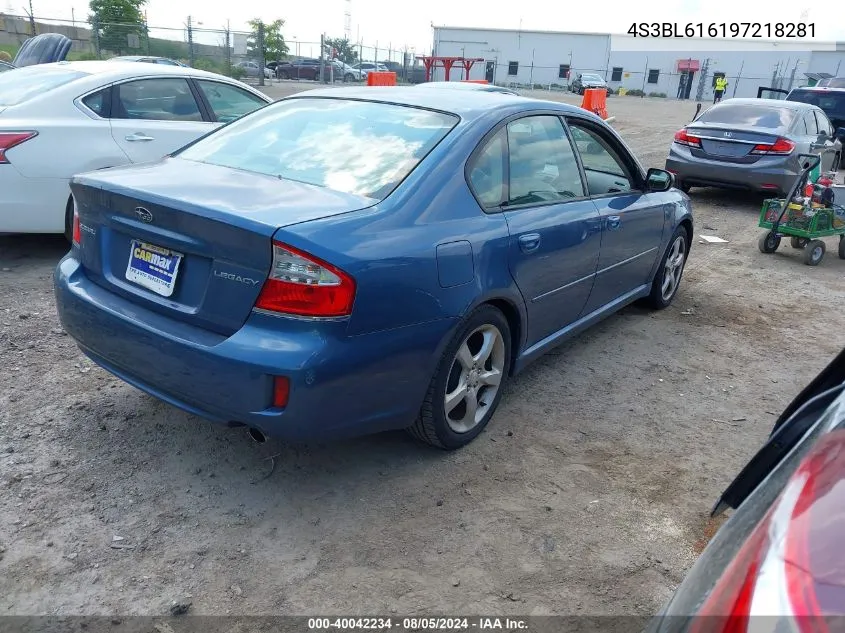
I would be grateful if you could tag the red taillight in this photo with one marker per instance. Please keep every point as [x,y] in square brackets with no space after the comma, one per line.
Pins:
[77,231]
[793,563]
[281,391]
[780,147]
[8,140]
[682,138]
[303,285]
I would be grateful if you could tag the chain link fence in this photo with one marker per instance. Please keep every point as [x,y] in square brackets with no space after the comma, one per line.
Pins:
[229,52]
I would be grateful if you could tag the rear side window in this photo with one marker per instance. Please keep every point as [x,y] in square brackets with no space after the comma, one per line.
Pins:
[356,147]
[824,123]
[98,102]
[810,121]
[228,102]
[33,81]
[542,162]
[168,99]
[749,114]
[487,171]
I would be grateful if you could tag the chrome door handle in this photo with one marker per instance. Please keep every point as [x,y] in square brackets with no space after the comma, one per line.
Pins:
[613,222]
[529,242]
[139,136]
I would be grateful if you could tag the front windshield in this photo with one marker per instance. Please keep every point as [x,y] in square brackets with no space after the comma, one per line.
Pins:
[358,147]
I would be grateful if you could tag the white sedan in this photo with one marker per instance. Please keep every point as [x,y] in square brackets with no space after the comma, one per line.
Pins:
[58,120]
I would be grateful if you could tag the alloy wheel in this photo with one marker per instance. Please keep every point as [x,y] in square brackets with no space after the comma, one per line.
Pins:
[474,378]
[673,268]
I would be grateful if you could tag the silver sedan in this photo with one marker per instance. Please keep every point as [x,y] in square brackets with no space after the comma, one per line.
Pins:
[752,144]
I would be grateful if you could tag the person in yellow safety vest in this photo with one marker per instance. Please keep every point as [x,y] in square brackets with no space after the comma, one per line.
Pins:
[721,85]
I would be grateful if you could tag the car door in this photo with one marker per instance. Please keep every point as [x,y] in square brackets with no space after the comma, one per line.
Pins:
[554,227]
[632,221]
[227,102]
[153,117]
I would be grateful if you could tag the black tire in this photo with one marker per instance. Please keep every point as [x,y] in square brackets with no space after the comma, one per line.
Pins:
[657,299]
[814,252]
[69,220]
[797,242]
[284,75]
[348,77]
[842,247]
[768,242]
[432,425]
[684,186]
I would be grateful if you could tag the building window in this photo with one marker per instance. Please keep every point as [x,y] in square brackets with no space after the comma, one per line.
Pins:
[563,71]
[513,68]
[616,75]
[716,76]
[653,75]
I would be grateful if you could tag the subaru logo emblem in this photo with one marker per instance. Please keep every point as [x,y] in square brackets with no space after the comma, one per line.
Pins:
[728,135]
[143,214]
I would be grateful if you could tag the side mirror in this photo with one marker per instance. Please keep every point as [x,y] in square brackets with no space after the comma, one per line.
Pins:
[659,180]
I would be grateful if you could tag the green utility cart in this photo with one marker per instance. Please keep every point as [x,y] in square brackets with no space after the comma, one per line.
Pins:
[805,226]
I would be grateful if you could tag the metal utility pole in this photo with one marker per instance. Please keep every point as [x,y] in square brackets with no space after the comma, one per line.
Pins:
[95,27]
[531,72]
[792,74]
[190,42]
[702,81]
[32,19]
[322,58]
[645,75]
[228,48]
[739,75]
[261,59]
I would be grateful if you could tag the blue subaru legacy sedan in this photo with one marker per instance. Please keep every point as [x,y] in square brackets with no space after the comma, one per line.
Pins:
[348,261]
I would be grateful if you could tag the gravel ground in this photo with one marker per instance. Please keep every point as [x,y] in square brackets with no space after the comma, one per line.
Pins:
[587,494]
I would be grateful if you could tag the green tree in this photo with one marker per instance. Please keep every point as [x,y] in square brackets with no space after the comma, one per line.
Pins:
[346,52]
[115,21]
[275,47]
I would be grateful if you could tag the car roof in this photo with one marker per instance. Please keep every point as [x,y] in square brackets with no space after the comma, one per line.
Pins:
[819,89]
[468,104]
[116,69]
[460,85]
[774,103]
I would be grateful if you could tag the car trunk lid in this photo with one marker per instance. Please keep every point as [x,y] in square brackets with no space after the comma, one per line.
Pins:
[200,253]
[719,142]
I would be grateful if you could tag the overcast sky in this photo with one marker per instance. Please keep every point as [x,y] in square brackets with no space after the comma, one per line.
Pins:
[403,23]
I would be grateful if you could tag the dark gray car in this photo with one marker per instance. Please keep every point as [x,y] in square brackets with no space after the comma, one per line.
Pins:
[752,144]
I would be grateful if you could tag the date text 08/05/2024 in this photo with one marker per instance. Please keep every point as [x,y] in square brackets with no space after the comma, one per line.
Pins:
[765,30]
[417,623]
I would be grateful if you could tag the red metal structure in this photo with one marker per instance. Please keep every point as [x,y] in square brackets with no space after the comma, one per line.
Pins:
[431,62]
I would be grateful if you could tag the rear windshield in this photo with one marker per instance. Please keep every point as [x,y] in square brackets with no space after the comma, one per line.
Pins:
[356,147]
[833,103]
[749,114]
[31,81]
[591,77]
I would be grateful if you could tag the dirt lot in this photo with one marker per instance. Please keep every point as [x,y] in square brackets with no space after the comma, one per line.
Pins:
[588,493]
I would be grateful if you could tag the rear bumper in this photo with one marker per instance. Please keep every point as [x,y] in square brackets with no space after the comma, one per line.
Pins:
[340,386]
[757,177]
[31,205]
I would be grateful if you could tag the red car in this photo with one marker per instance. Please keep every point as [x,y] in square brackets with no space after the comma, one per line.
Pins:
[782,552]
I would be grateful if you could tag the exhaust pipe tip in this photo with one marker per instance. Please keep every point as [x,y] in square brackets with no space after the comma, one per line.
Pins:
[257,435]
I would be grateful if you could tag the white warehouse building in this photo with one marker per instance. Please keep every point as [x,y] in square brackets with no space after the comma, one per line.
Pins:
[550,59]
